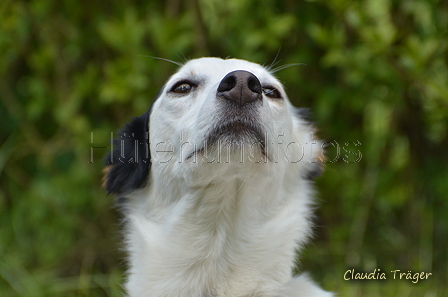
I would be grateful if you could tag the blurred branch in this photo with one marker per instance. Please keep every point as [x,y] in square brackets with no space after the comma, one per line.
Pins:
[361,217]
[202,45]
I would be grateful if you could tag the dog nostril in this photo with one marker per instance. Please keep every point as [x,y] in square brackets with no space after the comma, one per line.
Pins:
[254,84]
[227,83]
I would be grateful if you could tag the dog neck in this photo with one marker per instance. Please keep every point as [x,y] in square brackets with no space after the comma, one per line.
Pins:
[228,236]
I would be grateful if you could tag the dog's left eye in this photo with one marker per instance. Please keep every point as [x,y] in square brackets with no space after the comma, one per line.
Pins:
[183,87]
[272,92]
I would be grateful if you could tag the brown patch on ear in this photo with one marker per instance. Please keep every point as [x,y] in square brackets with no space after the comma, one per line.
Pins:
[318,155]
[317,166]
[105,172]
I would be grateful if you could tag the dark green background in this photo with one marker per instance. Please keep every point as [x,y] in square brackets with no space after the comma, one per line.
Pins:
[376,72]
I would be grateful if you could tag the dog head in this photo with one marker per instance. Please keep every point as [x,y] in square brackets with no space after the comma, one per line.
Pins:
[222,114]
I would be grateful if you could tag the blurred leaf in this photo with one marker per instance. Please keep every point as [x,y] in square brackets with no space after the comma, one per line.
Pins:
[376,74]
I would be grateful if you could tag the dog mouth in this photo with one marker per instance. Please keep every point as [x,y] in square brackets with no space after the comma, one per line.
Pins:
[238,133]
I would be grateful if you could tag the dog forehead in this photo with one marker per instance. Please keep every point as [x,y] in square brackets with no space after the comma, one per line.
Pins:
[218,68]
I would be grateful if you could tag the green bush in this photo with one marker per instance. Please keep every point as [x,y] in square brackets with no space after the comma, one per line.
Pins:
[72,72]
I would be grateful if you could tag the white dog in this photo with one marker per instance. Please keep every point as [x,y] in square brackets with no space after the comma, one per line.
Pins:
[215,183]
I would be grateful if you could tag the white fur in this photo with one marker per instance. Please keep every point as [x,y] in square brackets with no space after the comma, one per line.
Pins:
[227,228]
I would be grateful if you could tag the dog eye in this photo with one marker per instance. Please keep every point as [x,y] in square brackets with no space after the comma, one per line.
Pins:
[272,92]
[183,87]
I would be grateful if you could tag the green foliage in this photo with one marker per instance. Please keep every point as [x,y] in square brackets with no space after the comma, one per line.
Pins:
[376,75]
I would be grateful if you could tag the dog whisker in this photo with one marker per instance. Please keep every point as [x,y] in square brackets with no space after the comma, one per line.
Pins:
[285,66]
[275,62]
[163,59]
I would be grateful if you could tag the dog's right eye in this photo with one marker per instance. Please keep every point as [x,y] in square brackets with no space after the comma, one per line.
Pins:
[183,87]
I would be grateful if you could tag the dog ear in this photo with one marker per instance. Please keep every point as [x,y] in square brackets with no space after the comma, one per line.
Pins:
[315,171]
[316,167]
[129,163]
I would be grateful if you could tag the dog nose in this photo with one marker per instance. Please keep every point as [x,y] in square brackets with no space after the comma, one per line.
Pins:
[241,87]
